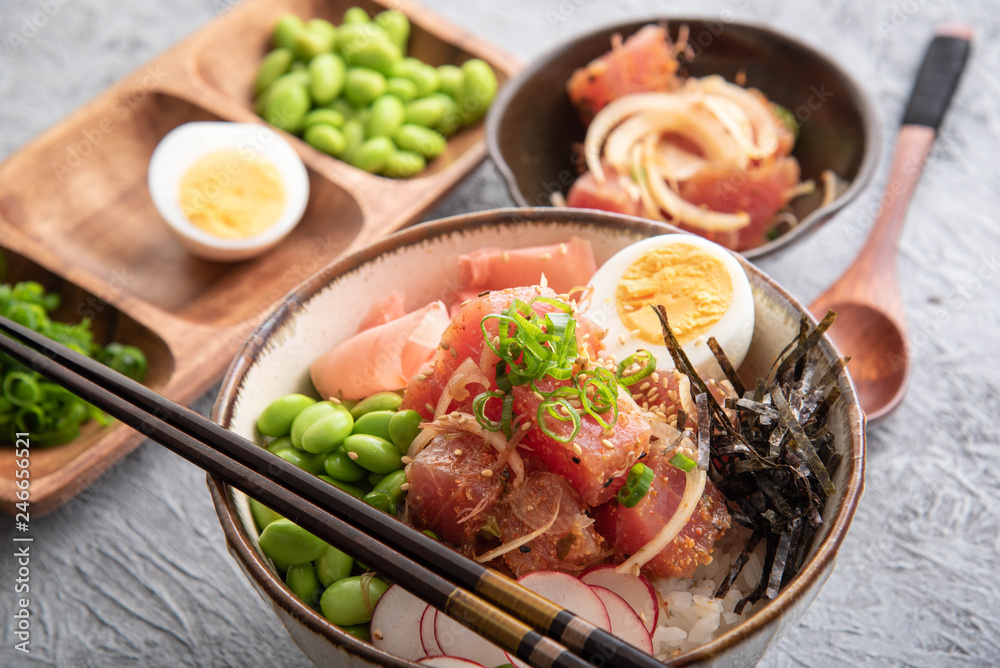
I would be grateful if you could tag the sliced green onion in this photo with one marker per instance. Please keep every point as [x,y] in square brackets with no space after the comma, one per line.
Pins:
[548,409]
[21,389]
[640,477]
[479,410]
[647,369]
[684,463]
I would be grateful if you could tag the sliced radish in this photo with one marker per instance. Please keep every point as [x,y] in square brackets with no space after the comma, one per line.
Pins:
[457,640]
[396,623]
[625,623]
[448,662]
[568,592]
[637,592]
[427,638]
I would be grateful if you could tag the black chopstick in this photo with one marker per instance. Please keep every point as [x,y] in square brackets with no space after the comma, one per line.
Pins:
[427,568]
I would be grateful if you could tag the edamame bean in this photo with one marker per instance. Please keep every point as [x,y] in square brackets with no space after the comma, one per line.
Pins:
[280,443]
[452,79]
[276,419]
[396,25]
[287,106]
[404,164]
[403,428]
[328,431]
[292,77]
[306,419]
[322,26]
[362,632]
[344,108]
[402,88]
[478,90]
[422,140]
[427,79]
[304,583]
[325,137]
[373,154]
[302,460]
[406,67]
[425,111]
[312,41]
[262,515]
[387,494]
[298,66]
[367,45]
[380,401]
[351,601]
[286,30]
[287,542]
[353,490]
[326,73]
[375,423]
[373,453]
[273,66]
[386,116]
[333,565]
[354,137]
[362,85]
[356,15]
[341,467]
[325,116]
[375,478]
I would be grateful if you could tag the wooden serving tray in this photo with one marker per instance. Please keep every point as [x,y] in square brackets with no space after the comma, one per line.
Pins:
[76,214]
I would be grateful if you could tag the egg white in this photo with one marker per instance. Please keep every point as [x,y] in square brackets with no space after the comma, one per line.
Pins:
[733,331]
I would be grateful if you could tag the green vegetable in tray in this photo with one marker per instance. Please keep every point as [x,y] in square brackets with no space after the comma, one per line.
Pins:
[320,77]
[28,402]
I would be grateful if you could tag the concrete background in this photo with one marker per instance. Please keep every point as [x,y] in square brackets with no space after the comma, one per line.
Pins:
[135,571]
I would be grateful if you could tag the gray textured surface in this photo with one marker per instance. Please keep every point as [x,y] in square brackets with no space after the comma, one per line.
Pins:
[135,571]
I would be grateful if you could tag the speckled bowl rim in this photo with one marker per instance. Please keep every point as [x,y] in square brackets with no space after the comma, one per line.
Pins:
[860,97]
[222,412]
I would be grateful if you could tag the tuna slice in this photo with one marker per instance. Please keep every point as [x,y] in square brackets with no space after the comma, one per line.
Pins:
[587,193]
[382,358]
[570,544]
[448,493]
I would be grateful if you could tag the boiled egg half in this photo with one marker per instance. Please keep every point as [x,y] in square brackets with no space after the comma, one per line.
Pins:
[702,286]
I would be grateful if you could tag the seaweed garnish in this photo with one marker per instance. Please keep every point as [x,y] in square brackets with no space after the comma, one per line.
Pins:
[770,453]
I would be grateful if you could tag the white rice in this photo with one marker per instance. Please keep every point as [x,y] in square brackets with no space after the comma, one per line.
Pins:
[692,615]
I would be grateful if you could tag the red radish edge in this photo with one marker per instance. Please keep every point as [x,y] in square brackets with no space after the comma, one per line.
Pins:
[427,638]
[448,662]
[393,630]
[459,641]
[568,592]
[636,590]
[625,623]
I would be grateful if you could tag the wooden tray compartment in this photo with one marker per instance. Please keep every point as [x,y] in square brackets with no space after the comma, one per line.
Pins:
[75,209]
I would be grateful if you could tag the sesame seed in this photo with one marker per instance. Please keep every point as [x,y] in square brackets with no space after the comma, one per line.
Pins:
[429,407]
[454,353]
[576,460]
[644,387]
[621,339]
[487,473]
[444,345]
[483,293]
[609,432]
[526,426]
[642,616]
[421,377]
[405,486]
[353,456]
[545,257]
[466,302]
[335,400]
[672,395]
[655,377]
[524,549]
[562,249]
[458,453]
[653,396]
[538,395]
[505,256]
[405,459]
[377,635]
[577,449]
[607,444]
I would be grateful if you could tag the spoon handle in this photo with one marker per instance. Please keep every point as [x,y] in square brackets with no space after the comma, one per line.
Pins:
[936,82]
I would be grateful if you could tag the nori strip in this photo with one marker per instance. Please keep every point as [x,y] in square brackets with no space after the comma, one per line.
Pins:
[726,365]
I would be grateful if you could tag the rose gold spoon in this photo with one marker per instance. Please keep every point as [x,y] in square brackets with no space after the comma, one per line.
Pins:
[871,324]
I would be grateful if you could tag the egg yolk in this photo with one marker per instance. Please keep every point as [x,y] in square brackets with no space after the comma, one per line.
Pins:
[231,196]
[693,286]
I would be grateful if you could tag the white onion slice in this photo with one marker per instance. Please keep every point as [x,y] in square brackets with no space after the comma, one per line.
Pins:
[683,211]
[761,117]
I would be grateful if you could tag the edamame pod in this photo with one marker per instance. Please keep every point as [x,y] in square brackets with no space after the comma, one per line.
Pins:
[375,423]
[262,515]
[403,428]
[478,90]
[341,467]
[373,154]
[302,460]
[362,85]
[326,73]
[328,431]
[380,401]
[325,116]
[286,107]
[307,417]
[286,30]
[350,601]
[452,79]
[333,565]
[396,25]
[276,419]
[325,137]
[304,583]
[373,453]
[386,116]
[402,88]
[403,164]
[288,543]
[426,142]
[275,64]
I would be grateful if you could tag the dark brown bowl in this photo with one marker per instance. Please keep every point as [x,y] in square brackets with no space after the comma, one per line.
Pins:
[532,126]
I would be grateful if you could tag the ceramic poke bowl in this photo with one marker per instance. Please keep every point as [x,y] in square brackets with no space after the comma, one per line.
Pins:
[422,260]
[533,131]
